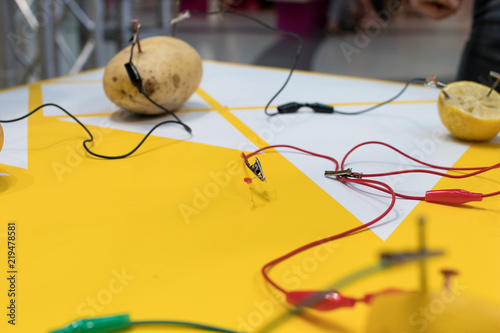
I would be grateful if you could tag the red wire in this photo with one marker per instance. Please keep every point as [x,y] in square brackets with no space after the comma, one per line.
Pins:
[399,195]
[365,182]
[245,157]
[369,183]
[478,171]
[392,173]
[407,156]
[331,238]
[491,194]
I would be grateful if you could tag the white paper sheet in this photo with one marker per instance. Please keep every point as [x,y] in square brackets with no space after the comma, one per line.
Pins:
[89,98]
[412,128]
[209,127]
[244,86]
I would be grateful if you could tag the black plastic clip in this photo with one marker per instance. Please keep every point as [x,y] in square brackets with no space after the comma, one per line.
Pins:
[134,76]
[293,107]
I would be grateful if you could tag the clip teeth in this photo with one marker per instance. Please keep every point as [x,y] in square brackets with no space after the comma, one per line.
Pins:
[256,168]
[344,173]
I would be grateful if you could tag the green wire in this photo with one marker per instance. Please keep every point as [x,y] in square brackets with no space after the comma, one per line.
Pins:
[349,279]
[184,323]
[358,275]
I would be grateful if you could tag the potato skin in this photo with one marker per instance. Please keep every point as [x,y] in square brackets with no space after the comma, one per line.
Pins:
[170,69]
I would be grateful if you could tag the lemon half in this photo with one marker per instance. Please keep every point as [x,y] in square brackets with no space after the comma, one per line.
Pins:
[467,113]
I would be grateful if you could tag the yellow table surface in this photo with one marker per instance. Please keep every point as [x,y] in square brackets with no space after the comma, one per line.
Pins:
[173,232]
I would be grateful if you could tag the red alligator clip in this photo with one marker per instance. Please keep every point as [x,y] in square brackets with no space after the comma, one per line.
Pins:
[330,300]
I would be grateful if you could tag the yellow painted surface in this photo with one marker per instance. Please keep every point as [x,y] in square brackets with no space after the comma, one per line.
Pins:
[446,311]
[173,232]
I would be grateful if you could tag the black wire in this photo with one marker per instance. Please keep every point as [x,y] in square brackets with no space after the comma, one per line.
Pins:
[297,56]
[381,103]
[186,127]
[177,121]
[141,90]
[265,25]
[90,134]
[131,49]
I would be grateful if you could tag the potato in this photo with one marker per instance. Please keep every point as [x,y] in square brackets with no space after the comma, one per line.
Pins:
[170,70]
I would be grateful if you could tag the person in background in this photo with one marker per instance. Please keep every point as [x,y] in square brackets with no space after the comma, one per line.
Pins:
[344,15]
[482,51]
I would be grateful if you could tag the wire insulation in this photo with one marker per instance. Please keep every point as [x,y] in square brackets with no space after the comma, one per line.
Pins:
[137,81]
[364,182]
[354,113]
[374,184]
[476,170]
[88,141]
[185,324]
[267,26]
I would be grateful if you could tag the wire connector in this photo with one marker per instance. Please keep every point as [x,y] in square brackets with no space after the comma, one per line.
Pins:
[184,15]
[398,258]
[495,84]
[256,168]
[135,39]
[134,76]
[347,173]
[293,107]
[433,83]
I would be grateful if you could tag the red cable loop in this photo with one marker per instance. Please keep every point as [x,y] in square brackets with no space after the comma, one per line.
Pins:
[378,185]
[370,183]
[245,157]
[479,170]
[331,238]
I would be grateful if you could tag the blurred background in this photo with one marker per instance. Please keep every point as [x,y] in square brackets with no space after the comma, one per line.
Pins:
[382,39]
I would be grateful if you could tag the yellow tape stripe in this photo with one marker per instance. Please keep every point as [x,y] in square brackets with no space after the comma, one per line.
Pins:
[251,108]
[10,169]
[340,104]
[249,133]
[76,81]
[35,99]
[233,120]
[396,102]
[281,69]
[59,79]
[74,75]
[107,114]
